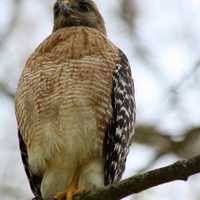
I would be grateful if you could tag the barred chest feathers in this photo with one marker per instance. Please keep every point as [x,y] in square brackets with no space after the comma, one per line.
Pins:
[64,98]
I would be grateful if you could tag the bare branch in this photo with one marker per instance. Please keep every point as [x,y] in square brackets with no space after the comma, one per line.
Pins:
[184,147]
[129,13]
[180,170]
[5,90]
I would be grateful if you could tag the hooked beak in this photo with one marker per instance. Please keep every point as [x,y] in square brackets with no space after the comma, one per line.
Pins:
[66,9]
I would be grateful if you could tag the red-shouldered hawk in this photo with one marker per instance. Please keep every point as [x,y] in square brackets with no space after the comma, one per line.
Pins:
[75,105]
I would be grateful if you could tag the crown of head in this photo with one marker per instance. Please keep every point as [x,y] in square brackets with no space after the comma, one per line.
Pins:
[69,13]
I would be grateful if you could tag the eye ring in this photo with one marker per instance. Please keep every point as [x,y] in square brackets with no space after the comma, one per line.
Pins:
[84,7]
[56,9]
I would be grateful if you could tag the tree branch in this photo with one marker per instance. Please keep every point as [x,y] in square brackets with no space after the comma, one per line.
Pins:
[180,170]
[5,90]
[184,146]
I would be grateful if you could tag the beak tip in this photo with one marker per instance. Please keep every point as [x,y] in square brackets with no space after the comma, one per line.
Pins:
[66,10]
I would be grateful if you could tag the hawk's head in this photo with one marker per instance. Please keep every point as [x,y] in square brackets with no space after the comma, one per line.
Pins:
[77,13]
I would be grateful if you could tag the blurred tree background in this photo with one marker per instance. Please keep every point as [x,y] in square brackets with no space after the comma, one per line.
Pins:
[162,41]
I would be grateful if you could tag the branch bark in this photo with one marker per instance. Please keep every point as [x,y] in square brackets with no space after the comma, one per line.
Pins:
[180,170]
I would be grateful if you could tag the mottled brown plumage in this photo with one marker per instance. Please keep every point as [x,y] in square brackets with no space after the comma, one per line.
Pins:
[71,66]
[75,105]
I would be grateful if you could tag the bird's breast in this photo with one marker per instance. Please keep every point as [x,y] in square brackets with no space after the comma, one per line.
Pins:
[64,97]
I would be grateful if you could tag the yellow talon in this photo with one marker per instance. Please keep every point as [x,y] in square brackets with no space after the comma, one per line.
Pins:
[68,194]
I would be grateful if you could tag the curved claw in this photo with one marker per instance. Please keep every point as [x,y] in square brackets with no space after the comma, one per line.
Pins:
[68,194]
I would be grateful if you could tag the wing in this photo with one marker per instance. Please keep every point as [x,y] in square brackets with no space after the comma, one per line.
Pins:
[120,130]
[34,180]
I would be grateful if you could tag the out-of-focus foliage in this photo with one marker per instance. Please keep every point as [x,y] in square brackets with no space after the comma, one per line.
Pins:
[161,39]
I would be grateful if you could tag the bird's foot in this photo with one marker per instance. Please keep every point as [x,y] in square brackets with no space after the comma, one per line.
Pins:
[68,194]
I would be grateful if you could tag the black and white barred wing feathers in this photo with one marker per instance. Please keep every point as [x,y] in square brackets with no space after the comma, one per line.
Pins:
[121,128]
[34,180]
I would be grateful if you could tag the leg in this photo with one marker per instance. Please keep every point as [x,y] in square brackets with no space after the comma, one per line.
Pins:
[92,175]
[54,180]
[89,177]
[69,191]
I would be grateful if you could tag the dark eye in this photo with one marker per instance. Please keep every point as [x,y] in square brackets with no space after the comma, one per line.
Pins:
[56,8]
[84,7]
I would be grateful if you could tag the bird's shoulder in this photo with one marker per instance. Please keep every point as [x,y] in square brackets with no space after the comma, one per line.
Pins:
[73,43]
